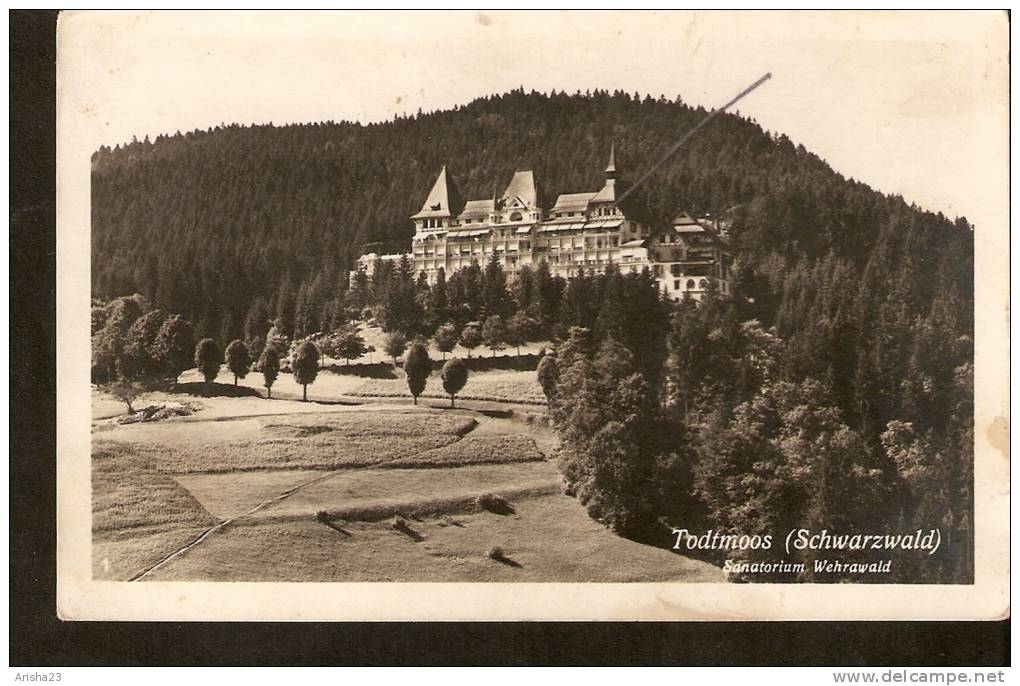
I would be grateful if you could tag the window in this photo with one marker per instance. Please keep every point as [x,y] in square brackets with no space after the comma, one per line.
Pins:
[703,284]
[516,216]
[690,284]
[676,284]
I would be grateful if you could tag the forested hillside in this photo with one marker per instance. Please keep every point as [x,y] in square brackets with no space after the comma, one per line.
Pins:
[203,223]
[834,389]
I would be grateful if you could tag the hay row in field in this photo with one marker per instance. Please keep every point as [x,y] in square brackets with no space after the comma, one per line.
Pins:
[476,450]
[408,508]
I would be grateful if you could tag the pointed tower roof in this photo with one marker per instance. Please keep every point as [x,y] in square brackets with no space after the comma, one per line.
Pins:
[444,200]
[611,167]
[608,192]
[523,187]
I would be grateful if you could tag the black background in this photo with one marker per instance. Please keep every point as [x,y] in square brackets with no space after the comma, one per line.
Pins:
[38,638]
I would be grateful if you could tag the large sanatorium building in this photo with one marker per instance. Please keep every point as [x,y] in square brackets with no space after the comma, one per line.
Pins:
[581,230]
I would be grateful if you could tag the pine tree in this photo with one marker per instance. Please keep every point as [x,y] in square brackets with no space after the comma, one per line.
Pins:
[496,300]
[256,326]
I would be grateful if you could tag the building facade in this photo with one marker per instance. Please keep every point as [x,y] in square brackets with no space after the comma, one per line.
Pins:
[580,231]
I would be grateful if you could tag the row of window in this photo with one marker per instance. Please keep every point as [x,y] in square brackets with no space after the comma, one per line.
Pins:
[691,285]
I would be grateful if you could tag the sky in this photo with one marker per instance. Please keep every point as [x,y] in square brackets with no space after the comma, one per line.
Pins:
[913,103]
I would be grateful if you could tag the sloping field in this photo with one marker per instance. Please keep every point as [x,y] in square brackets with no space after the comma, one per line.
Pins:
[306,441]
[549,538]
[325,488]
[138,514]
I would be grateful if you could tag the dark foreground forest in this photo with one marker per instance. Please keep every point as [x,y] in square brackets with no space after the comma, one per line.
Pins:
[833,390]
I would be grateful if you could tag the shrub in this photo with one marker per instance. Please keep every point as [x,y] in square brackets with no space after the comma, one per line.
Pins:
[548,376]
[126,392]
[496,553]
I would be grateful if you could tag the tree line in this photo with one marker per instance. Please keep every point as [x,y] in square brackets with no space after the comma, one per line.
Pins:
[206,223]
[850,408]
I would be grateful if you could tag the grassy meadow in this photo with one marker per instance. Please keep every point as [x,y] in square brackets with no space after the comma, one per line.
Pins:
[384,491]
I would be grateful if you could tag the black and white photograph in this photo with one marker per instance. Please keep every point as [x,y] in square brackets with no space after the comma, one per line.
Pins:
[525,314]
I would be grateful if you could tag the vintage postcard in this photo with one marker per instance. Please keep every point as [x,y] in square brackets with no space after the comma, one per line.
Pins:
[522,315]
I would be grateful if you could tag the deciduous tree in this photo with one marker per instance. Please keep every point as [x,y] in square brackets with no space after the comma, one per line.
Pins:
[207,359]
[494,333]
[417,368]
[270,364]
[445,338]
[237,359]
[175,346]
[394,345]
[471,337]
[306,366]
[454,375]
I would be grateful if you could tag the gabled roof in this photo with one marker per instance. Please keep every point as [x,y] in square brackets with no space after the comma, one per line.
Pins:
[475,209]
[608,192]
[572,202]
[685,223]
[523,187]
[444,200]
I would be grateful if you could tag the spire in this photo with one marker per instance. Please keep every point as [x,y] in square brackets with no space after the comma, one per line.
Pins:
[611,167]
[608,192]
